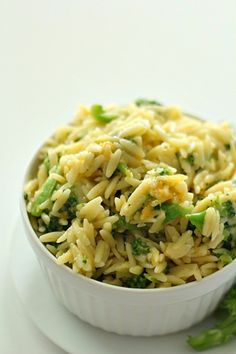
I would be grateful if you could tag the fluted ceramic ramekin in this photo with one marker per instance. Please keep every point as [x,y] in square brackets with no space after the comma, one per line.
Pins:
[137,312]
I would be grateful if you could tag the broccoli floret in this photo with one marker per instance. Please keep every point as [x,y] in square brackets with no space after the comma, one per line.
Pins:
[137,281]
[226,258]
[227,210]
[220,251]
[139,247]
[223,331]
[162,171]
[224,255]
[122,224]
[190,159]
[227,146]
[227,242]
[229,302]
[53,225]
[70,206]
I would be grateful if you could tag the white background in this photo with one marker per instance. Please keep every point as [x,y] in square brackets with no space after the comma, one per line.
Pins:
[57,53]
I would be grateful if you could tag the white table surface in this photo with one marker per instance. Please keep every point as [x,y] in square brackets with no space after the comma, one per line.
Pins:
[57,53]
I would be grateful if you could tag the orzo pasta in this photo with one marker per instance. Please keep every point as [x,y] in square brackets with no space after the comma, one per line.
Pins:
[138,196]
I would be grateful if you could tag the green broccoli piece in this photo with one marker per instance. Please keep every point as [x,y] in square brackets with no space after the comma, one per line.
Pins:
[217,203]
[227,146]
[229,302]
[173,211]
[145,102]
[100,114]
[84,260]
[223,331]
[53,225]
[228,239]
[224,255]
[46,192]
[26,197]
[227,210]
[162,171]
[226,258]
[139,247]
[70,206]
[46,163]
[121,167]
[197,219]
[124,225]
[137,281]
[220,251]
[190,159]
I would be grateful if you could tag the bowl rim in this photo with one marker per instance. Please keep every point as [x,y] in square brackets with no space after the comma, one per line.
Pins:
[182,287]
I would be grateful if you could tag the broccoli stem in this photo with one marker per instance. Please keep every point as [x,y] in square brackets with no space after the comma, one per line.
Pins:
[197,219]
[214,336]
[146,102]
[100,115]
[46,192]
[221,332]
[172,211]
[122,168]
[46,163]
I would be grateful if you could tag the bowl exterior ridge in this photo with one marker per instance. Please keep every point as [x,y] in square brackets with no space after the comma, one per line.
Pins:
[124,311]
[136,320]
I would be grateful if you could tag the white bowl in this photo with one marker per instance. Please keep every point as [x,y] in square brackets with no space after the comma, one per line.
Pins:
[137,312]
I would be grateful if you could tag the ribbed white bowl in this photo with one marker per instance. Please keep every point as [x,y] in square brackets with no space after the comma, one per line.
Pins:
[138,312]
